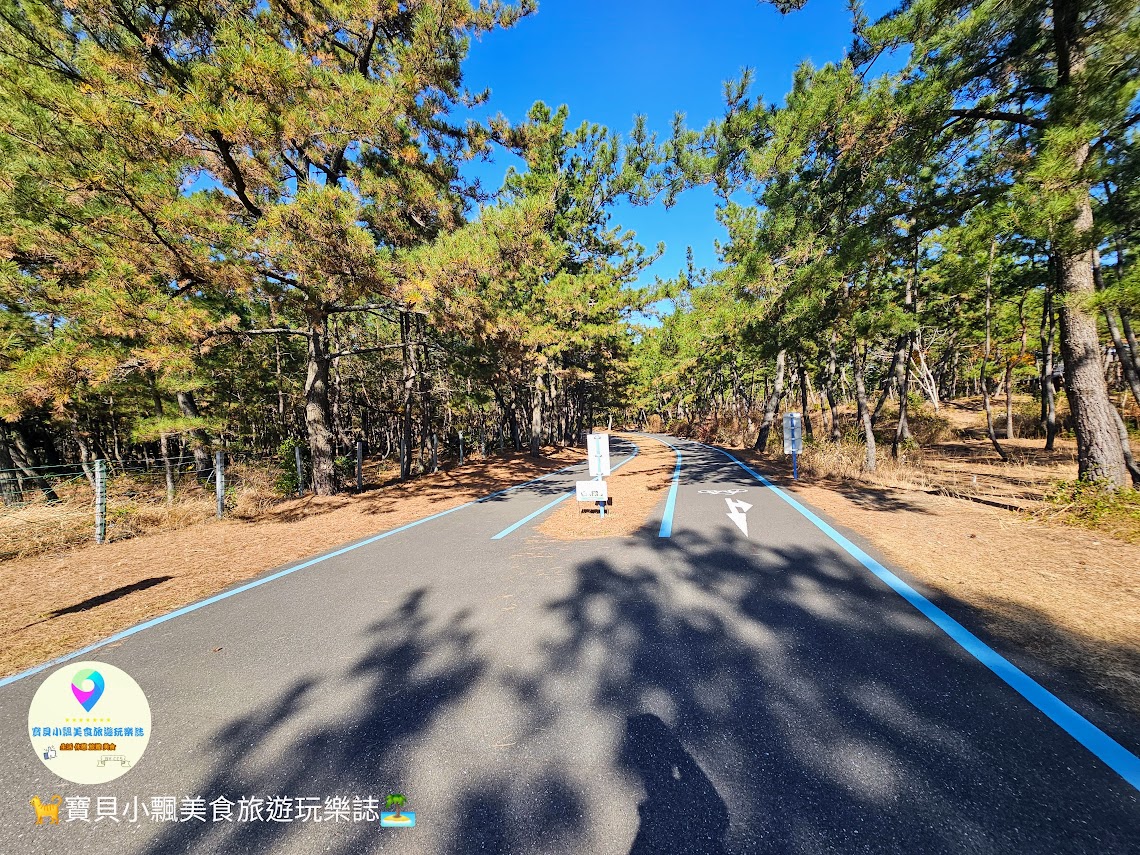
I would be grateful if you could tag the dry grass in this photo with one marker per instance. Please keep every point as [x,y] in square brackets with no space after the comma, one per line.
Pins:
[117,585]
[136,504]
[636,489]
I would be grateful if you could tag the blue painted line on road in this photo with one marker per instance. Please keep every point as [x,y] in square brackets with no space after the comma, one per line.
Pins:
[1108,750]
[671,501]
[258,582]
[531,516]
[547,507]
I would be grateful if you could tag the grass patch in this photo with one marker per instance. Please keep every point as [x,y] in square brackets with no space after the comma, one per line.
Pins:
[1089,505]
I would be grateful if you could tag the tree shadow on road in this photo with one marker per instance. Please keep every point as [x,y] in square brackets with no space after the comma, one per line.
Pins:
[715,695]
[682,813]
[413,671]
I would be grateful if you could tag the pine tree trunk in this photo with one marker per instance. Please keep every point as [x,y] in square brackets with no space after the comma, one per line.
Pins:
[1123,349]
[1009,399]
[982,375]
[1100,455]
[9,481]
[536,417]
[1130,337]
[805,404]
[164,448]
[902,381]
[409,384]
[864,411]
[1126,446]
[771,404]
[85,457]
[321,453]
[829,390]
[199,442]
[1048,392]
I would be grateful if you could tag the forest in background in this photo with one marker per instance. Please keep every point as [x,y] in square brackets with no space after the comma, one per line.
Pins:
[241,225]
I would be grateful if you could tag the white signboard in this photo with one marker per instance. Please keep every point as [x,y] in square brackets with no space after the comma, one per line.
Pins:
[793,434]
[598,450]
[592,491]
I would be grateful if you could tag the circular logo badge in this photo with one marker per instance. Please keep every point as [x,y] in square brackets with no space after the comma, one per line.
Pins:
[89,722]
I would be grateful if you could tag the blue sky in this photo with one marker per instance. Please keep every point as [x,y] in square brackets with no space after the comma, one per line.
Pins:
[610,60]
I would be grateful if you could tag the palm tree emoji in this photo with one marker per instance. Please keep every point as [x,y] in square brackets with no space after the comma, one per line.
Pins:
[395,801]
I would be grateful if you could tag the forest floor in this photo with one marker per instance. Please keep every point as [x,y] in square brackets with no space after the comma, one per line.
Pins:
[64,600]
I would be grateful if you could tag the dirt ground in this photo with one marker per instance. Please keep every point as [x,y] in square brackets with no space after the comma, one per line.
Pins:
[636,489]
[60,602]
[1068,595]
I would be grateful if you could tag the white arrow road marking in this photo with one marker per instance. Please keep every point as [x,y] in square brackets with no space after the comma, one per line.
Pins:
[736,513]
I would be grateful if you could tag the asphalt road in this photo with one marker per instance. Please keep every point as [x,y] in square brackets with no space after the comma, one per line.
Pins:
[705,692]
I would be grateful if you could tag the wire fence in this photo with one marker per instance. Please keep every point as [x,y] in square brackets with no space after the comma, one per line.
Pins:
[46,507]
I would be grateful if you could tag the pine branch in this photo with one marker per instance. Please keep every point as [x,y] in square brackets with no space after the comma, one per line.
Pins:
[224,151]
[998,116]
[359,351]
[266,331]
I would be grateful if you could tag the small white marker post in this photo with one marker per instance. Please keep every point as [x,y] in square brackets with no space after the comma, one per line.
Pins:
[793,440]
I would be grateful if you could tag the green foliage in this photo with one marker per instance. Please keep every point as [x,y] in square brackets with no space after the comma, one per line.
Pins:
[286,483]
[1091,505]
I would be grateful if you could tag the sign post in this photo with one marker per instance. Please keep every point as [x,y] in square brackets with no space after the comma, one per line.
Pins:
[220,481]
[598,452]
[793,440]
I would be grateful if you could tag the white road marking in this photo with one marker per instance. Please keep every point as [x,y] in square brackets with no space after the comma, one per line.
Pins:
[736,513]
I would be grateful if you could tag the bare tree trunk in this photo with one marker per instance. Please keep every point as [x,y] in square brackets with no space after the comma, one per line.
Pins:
[771,404]
[1130,337]
[858,366]
[321,454]
[926,378]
